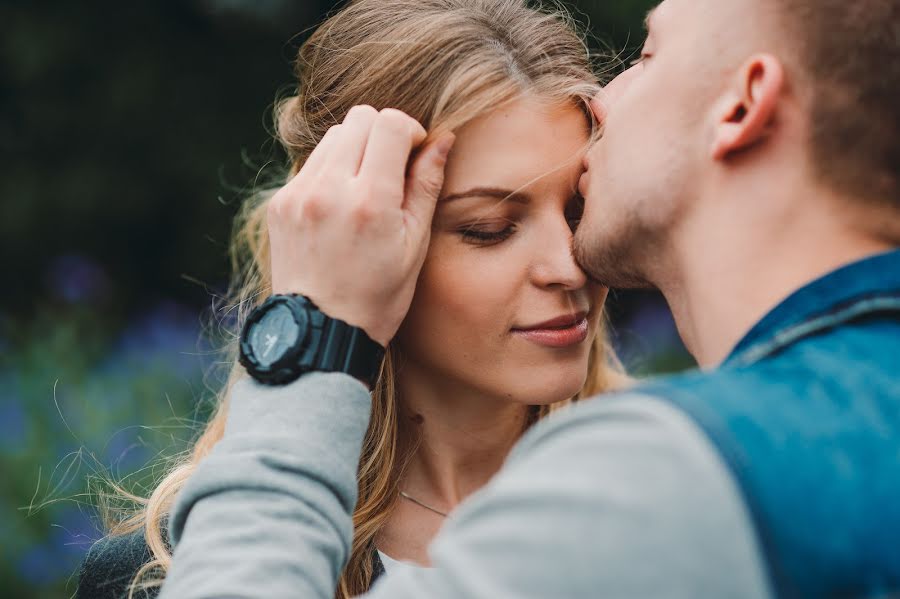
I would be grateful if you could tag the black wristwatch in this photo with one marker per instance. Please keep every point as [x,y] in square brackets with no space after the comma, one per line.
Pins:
[288,336]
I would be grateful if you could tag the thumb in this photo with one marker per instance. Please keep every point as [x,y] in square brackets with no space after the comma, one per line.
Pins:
[425,180]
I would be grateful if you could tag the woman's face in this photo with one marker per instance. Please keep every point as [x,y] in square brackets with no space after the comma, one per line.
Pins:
[501,308]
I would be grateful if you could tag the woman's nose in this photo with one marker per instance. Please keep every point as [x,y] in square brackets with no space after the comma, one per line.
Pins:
[554,262]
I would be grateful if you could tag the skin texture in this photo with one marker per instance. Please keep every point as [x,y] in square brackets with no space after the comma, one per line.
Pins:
[466,375]
[472,291]
[701,185]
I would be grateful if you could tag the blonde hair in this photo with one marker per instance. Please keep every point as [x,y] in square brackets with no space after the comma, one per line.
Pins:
[445,63]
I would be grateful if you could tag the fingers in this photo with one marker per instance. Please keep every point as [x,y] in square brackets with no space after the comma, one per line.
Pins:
[321,154]
[350,144]
[426,178]
[393,136]
[372,147]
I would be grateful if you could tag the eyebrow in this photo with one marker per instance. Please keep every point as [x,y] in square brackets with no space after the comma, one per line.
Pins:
[488,192]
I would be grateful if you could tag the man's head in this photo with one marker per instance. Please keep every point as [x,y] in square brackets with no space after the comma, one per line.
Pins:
[746,97]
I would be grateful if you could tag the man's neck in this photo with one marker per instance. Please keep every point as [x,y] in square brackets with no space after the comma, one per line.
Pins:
[730,269]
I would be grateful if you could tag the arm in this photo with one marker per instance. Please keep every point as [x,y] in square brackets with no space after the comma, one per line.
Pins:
[268,512]
[619,497]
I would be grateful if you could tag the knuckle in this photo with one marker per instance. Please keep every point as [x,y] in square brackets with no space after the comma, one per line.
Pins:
[312,209]
[364,212]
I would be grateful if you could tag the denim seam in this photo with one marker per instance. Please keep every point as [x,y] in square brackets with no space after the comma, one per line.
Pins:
[795,333]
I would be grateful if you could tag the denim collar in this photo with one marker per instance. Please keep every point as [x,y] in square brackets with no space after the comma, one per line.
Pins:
[864,287]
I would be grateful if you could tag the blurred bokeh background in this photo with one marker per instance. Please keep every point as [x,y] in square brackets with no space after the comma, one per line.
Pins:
[130,132]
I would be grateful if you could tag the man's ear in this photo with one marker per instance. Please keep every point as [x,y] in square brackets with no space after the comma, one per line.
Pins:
[747,109]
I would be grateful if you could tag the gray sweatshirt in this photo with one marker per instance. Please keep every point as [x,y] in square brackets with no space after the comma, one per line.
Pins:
[619,496]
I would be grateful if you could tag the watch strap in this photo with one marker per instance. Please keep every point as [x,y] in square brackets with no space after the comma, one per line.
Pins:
[349,349]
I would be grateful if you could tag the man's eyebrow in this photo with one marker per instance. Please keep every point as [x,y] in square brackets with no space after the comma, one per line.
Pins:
[488,192]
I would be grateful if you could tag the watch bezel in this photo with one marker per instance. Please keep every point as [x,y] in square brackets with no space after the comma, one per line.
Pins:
[288,366]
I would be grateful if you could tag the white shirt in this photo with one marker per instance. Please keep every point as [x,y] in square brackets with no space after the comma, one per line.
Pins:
[390,564]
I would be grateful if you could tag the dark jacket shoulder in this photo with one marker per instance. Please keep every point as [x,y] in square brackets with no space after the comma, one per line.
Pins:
[377,567]
[110,566]
[113,561]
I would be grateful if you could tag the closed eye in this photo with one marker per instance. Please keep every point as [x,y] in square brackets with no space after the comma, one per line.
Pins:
[481,236]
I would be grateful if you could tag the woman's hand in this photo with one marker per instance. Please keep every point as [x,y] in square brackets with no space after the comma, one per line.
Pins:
[351,229]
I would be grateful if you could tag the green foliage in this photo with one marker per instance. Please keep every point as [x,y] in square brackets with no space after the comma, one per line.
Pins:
[81,405]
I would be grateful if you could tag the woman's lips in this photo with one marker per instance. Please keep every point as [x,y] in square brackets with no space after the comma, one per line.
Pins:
[557,337]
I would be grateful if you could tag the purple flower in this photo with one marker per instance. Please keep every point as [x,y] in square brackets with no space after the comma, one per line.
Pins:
[168,336]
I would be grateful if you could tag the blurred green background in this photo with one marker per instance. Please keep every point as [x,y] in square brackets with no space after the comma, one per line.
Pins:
[129,133]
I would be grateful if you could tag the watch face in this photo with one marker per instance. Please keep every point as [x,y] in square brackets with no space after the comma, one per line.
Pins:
[274,335]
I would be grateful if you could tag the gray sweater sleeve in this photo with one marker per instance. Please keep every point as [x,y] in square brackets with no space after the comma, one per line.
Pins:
[620,496]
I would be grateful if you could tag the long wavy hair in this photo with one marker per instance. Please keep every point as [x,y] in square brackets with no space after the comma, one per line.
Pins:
[445,63]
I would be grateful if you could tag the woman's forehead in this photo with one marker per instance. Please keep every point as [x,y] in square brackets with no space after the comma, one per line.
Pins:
[514,146]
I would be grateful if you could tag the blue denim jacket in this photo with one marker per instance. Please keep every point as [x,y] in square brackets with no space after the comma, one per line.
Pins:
[806,414]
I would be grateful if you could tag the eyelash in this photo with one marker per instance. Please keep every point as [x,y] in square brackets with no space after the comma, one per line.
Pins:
[574,211]
[487,237]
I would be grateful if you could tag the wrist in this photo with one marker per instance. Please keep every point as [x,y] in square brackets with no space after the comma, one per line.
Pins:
[376,326]
[288,336]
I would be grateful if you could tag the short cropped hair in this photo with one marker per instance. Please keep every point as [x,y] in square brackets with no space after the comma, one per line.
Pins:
[850,52]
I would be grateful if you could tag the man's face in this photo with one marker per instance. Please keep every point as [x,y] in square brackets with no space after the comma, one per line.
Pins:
[643,173]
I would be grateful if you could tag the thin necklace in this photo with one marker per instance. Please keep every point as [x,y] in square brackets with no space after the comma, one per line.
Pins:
[424,505]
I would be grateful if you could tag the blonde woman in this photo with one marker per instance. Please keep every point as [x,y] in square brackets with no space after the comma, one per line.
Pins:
[503,328]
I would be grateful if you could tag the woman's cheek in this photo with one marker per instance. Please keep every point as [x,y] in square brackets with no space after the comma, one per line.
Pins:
[467,284]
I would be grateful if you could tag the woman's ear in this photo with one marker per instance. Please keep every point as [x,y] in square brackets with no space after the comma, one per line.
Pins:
[747,108]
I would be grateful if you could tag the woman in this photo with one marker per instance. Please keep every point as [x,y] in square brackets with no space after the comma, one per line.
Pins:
[504,326]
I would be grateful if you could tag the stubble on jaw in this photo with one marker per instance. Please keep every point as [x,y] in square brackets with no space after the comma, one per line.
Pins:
[613,258]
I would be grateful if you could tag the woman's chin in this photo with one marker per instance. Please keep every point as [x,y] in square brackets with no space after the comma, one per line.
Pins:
[549,386]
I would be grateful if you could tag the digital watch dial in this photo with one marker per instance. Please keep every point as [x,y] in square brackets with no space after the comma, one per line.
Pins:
[288,335]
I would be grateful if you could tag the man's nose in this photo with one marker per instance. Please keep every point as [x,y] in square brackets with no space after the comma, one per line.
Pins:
[607,97]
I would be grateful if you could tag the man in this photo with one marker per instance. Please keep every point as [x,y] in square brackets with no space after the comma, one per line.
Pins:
[750,169]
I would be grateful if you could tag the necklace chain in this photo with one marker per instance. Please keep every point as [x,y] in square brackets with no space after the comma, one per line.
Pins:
[422,504]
